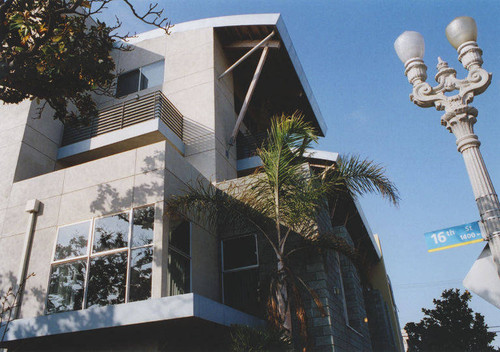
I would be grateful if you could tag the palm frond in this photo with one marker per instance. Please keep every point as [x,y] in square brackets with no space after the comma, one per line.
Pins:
[219,210]
[282,154]
[358,177]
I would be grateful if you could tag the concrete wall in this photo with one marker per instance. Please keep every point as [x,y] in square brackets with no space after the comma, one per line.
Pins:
[189,84]
[28,146]
[146,175]
[225,116]
[194,59]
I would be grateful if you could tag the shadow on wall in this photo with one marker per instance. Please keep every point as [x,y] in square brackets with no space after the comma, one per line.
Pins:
[197,138]
[8,295]
[109,199]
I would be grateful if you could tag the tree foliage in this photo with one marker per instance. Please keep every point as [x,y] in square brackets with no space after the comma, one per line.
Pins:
[55,51]
[285,199]
[450,326]
[247,339]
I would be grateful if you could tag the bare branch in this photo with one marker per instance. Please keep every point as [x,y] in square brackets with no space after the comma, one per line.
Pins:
[152,16]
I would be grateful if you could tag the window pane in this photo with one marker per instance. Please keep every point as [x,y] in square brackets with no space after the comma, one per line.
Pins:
[140,274]
[152,75]
[142,231]
[240,290]
[72,241]
[107,280]
[179,235]
[66,287]
[239,252]
[127,83]
[111,232]
[179,268]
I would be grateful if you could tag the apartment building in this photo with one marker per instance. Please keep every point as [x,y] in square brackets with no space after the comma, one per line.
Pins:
[84,208]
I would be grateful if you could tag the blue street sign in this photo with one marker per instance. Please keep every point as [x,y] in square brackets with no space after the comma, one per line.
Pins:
[453,237]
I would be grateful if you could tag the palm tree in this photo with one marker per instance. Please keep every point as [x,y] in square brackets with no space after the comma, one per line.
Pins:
[285,198]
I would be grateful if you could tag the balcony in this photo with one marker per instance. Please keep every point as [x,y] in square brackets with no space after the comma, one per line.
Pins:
[130,124]
[151,106]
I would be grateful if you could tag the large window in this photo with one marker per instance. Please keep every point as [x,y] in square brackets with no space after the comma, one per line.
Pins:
[179,256]
[139,79]
[240,262]
[104,261]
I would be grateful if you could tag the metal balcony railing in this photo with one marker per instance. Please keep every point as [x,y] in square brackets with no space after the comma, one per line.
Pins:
[150,106]
[246,145]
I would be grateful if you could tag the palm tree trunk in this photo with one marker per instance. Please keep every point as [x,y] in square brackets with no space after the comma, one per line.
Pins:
[282,298]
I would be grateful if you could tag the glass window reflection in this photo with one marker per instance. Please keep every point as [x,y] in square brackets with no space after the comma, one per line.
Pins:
[142,78]
[107,280]
[140,274]
[111,232]
[142,230]
[152,75]
[66,287]
[72,241]
[81,277]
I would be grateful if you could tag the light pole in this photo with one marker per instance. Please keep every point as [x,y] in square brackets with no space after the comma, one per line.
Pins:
[459,117]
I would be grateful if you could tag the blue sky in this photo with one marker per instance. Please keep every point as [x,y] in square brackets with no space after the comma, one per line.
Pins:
[346,49]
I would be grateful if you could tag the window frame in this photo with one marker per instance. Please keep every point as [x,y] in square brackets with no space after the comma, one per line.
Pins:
[70,259]
[139,80]
[244,268]
[90,254]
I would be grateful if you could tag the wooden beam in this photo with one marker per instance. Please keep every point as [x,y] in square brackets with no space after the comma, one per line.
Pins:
[233,66]
[248,97]
[248,44]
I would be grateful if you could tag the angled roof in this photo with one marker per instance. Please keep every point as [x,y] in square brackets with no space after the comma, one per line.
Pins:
[270,19]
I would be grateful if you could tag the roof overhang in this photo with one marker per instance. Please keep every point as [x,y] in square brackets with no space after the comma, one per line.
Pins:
[369,232]
[273,19]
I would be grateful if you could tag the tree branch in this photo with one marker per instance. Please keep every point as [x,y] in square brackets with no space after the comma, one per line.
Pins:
[158,20]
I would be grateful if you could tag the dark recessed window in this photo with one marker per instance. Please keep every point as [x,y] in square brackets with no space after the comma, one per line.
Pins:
[142,78]
[179,257]
[240,273]
[240,252]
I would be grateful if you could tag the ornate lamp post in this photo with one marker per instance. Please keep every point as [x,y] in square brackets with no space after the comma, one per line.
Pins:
[459,117]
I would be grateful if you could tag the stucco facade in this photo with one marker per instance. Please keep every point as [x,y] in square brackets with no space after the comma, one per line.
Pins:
[140,165]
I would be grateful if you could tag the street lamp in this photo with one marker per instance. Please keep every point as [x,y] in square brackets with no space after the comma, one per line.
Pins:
[459,117]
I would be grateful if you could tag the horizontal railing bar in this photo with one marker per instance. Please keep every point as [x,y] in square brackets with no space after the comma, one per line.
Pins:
[150,106]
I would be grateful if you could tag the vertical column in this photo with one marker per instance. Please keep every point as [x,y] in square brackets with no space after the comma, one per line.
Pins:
[160,247]
[484,192]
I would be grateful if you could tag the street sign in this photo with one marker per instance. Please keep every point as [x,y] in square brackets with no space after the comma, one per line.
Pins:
[453,237]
